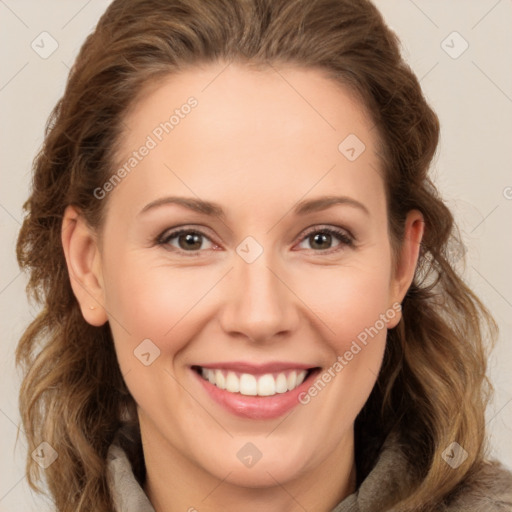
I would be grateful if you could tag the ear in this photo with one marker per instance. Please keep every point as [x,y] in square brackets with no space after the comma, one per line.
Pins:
[407,260]
[83,260]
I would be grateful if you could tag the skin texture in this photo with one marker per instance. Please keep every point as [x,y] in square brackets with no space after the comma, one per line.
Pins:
[256,146]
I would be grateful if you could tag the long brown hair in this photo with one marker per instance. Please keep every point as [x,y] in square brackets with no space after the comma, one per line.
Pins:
[432,388]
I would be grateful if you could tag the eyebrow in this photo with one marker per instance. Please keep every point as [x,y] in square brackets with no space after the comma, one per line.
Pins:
[213,209]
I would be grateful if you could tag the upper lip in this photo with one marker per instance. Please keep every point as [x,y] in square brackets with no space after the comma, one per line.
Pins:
[262,368]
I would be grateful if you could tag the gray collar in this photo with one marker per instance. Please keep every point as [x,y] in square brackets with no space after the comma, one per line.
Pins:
[127,494]
[488,490]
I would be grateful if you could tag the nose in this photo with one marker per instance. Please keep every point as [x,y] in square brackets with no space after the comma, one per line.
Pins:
[260,305]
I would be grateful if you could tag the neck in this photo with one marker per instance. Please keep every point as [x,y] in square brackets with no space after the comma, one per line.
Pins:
[175,483]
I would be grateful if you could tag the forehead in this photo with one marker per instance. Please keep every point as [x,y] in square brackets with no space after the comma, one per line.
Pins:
[270,133]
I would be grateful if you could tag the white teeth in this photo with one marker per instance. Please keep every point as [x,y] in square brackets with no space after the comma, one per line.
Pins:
[220,380]
[281,385]
[291,380]
[250,385]
[232,383]
[266,385]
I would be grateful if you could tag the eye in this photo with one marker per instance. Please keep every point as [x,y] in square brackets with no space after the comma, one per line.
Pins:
[321,239]
[186,240]
[192,241]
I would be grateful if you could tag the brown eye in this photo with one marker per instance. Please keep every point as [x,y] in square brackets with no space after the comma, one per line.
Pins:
[323,239]
[188,240]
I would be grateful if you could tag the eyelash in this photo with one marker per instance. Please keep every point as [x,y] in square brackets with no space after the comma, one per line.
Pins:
[343,237]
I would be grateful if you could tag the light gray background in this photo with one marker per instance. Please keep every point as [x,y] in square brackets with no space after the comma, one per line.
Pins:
[471,93]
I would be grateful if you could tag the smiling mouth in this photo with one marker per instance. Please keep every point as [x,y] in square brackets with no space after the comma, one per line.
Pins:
[248,384]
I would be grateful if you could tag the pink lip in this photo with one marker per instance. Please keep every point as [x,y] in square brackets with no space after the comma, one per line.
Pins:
[256,407]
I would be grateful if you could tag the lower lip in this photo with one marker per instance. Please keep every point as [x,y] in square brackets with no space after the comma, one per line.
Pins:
[256,407]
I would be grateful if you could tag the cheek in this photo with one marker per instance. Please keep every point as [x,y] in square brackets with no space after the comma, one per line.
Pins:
[151,300]
[347,300]
[352,309]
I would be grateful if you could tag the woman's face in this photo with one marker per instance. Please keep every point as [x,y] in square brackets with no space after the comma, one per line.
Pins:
[256,284]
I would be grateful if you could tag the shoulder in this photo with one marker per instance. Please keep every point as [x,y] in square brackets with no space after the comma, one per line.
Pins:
[488,489]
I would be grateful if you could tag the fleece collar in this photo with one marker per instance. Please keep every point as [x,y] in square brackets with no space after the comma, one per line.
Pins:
[486,490]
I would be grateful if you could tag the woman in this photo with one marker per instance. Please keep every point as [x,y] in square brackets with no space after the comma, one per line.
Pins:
[248,295]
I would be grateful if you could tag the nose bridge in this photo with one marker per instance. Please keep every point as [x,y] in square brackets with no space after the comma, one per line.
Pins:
[259,305]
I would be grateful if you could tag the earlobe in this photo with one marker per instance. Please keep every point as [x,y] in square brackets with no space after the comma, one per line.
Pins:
[84,268]
[407,260]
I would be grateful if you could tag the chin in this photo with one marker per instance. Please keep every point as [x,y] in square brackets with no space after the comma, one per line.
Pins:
[247,466]
[263,475]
